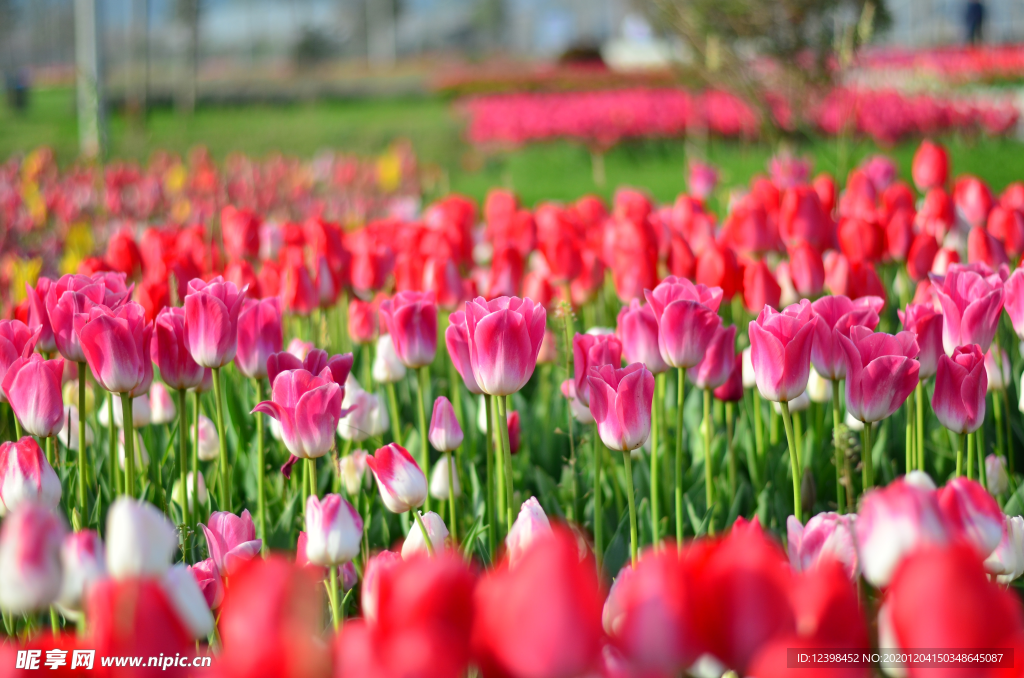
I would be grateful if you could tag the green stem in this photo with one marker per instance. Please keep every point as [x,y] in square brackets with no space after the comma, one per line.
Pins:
[655,466]
[335,598]
[492,525]
[196,511]
[758,426]
[396,424]
[566,326]
[499,465]
[730,451]
[598,496]
[54,621]
[680,399]
[453,518]
[921,397]
[424,383]
[837,419]
[222,461]
[910,433]
[81,441]
[867,459]
[997,410]
[709,464]
[507,458]
[633,538]
[960,455]
[1009,433]
[17,425]
[129,444]
[186,510]
[261,471]
[794,459]
[971,439]
[313,488]
[980,447]
[423,531]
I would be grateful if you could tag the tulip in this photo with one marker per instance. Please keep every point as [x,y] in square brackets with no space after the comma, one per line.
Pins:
[760,287]
[834,317]
[308,408]
[807,269]
[315,361]
[701,179]
[161,406]
[402,484]
[970,510]
[926,325]
[637,330]
[687,319]
[997,481]
[444,476]
[592,350]
[141,455]
[1013,301]
[387,368]
[971,299]
[70,428]
[30,572]
[367,416]
[781,350]
[16,341]
[298,294]
[827,536]
[26,477]
[211,321]
[141,412]
[531,524]
[38,318]
[352,468]
[188,600]
[195,485]
[74,295]
[210,582]
[881,372]
[141,541]
[580,412]
[930,168]
[411,320]
[432,528]
[892,523]
[1007,561]
[1007,225]
[32,387]
[259,336]
[362,320]
[298,348]
[445,432]
[208,443]
[714,370]
[921,256]
[334,530]
[83,564]
[504,337]
[168,350]
[231,540]
[959,399]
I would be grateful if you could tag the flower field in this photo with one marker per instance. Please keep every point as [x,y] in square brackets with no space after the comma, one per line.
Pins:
[282,416]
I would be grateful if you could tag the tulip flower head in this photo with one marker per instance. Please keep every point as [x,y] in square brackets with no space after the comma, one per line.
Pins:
[826,536]
[211,321]
[780,352]
[169,352]
[961,383]
[592,350]
[926,324]
[26,476]
[445,433]
[834,317]
[16,341]
[32,387]
[116,345]
[620,402]
[308,408]
[367,415]
[411,320]
[402,484]
[437,531]
[353,470]
[971,297]
[387,368]
[314,361]
[141,540]
[687,317]
[881,372]
[997,481]
[75,295]
[637,329]
[231,540]
[971,510]
[444,472]
[259,336]
[30,571]
[210,582]
[714,370]
[1007,560]
[334,530]
[531,524]
[83,563]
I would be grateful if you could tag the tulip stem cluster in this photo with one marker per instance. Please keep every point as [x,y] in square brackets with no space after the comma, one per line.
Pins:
[424,386]
[659,398]
[186,504]
[506,459]
[82,379]
[598,500]
[680,399]
[222,460]
[261,464]
[794,458]
[709,471]
[129,444]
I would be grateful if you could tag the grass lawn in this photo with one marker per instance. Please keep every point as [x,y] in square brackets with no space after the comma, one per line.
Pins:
[555,170]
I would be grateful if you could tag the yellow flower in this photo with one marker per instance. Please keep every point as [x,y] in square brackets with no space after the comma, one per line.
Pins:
[77,246]
[26,272]
[389,171]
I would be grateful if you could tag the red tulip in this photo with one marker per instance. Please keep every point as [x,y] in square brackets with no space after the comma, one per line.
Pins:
[298,294]
[116,346]
[16,341]
[717,267]
[1007,225]
[930,168]
[681,261]
[240,229]
[714,370]
[620,402]
[362,320]
[937,214]
[687,319]
[926,325]
[960,386]
[834,317]
[971,297]
[154,296]
[637,329]
[745,230]
[899,196]
[411,320]
[259,336]
[505,278]
[899,234]
[921,256]
[973,200]
[441,276]
[973,512]
[828,607]
[806,269]
[861,241]
[944,258]
[825,186]
[881,372]
[168,351]
[123,254]
[558,242]
[592,350]
[564,635]
[211,318]
[854,279]
[38,318]
[760,287]
[802,218]
[781,350]
[985,249]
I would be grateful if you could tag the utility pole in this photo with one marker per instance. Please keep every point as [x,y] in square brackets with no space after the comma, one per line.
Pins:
[137,90]
[380,29]
[89,71]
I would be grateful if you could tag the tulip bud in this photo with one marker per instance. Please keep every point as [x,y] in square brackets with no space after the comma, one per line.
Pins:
[210,582]
[439,476]
[402,484]
[161,406]
[352,468]
[26,476]
[141,541]
[620,402]
[960,386]
[781,350]
[299,348]
[211,321]
[176,495]
[996,478]
[436,530]
[826,535]
[411,320]
[445,433]
[367,415]
[141,412]
[531,523]
[231,540]
[968,507]
[83,562]
[371,581]
[30,572]
[749,379]
[32,387]
[209,443]
[334,530]
[1007,561]
[188,600]
[387,368]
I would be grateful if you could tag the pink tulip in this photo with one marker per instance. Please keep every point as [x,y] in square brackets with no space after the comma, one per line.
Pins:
[259,336]
[210,582]
[637,329]
[411,320]
[926,325]
[592,350]
[456,338]
[687,319]
[84,563]
[960,387]
[531,523]
[1013,301]
[834,316]
[701,179]
[30,573]
[504,337]
[972,511]
[445,433]
[714,370]
[971,297]
[16,341]
[827,536]
[211,318]
[620,402]
[26,476]
[231,540]
[334,530]
[308,408]
[32,387]
[71,296]
[168,351]
[881,372]
[116,346]
[781,350]
[38,318]
[402,484]
[893,522]
[315,361]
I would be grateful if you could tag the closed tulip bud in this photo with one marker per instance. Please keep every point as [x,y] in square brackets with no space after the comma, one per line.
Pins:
[971,510]
[687,319]
[592,350]
[38,318]
[893,522]
[308,408]
[32,387]
[141,541]
[259,336]
[16,341]
[69,436]
[530,524]
[819,389]
[231,540]
[161,406]
[881,372]
[83,563]
[176,495]
[1007,561]
[188,600]
[208,445]
[580,412]
[971,298]
[930,168]
[367,415]
[1013,301]
[211,321]
[826,536]
[353,470]
[445,433]
[637,329]
[362,320]
[921,256]
[411,320]
[168,351]
[26,477]
[781,350]
[436,530]
[210,582]
[760,287]
[926,324]
[116,345]
[441,475]
[334,530]
[387,368]
[960,387]
[996,479]
[30,570]
[620,402]
[715,368]
[806,269]
[402,484]
[834,317]
[504,337]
